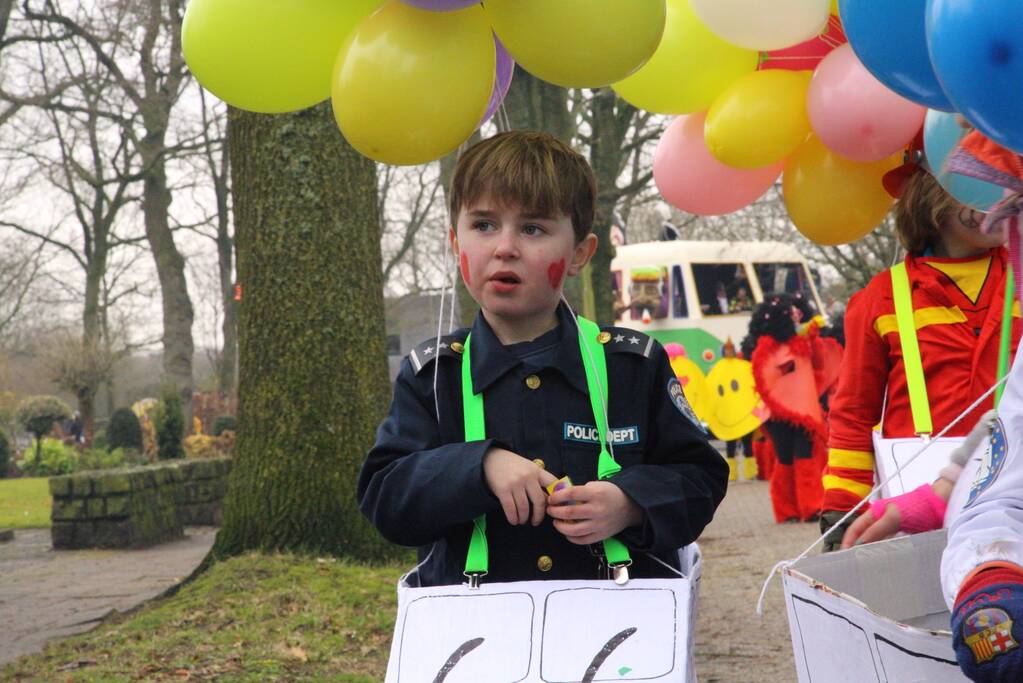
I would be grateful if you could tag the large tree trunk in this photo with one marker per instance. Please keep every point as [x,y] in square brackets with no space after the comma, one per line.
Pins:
[178,348]
[313,366]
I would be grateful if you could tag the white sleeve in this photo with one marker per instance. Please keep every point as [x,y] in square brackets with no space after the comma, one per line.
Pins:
[989,526]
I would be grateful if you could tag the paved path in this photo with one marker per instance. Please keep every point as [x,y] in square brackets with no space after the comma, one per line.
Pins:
[739,548]
[46,594]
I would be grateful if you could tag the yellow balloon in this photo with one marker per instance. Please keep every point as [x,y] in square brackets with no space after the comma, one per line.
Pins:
[411,85]
[831,199]
[266,55]
[690,68]
[578,43]
[734,406]
[694,384]
[759,119]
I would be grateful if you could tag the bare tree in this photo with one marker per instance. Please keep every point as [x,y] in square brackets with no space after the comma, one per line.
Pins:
[20,270]
[84,154]
[138,44]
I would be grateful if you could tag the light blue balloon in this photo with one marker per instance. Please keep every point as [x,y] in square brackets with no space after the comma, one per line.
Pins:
[941,134]
[976,47]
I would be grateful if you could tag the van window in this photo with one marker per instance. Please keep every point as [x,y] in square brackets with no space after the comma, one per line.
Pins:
[788,278]
[679,306]
[648,293]
[722,288]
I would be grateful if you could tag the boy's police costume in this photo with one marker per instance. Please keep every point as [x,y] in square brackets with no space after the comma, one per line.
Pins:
[422,484]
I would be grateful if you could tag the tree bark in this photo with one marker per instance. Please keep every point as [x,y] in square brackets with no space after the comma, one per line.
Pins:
[313,366]
[178,314]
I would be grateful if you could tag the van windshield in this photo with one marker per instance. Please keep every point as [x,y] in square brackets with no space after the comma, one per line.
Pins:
[722,288]
[788,278]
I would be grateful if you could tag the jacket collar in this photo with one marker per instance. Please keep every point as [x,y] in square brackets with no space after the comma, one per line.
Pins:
[490,360]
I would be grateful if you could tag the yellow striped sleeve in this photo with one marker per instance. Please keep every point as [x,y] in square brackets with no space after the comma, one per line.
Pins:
[857,460]
[854,487]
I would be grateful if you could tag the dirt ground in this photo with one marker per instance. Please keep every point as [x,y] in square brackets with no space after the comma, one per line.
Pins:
[739,548]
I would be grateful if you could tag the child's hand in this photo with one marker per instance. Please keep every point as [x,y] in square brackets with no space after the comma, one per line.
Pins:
[592,512]
[518,483]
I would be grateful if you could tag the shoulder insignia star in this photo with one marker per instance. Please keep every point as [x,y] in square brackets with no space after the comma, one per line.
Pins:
[633,340]
[619,338]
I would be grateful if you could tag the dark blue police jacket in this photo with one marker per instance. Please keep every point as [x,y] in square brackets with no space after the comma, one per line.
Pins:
[422,484]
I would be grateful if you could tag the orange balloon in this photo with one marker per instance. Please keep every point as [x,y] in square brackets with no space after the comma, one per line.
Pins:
[833,200]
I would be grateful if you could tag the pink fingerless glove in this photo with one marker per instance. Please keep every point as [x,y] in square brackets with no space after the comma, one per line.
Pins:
[919,510]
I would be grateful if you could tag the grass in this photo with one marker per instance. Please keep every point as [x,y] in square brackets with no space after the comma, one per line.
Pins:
[251,618]
[25,503]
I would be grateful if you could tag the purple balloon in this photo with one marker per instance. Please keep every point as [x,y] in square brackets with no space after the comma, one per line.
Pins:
[441,5]
[502,81]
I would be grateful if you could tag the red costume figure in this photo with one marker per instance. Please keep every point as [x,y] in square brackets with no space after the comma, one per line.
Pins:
[957,282]
[792,373]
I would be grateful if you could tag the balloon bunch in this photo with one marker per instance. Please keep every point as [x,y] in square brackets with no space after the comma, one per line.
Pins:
[410,80]
[760,88]
[832,116]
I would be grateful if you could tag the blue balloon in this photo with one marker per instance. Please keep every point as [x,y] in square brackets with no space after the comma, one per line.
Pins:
[941,134]
[888,37]
[977,51]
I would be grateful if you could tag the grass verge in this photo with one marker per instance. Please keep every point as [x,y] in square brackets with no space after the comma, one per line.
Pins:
[251,618]
[25,503]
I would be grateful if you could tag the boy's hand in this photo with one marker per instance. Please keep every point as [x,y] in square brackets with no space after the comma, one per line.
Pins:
[518,483]
[592,512]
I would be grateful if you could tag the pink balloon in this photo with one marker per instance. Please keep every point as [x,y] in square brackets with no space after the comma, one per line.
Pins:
[690,178]
[854,114]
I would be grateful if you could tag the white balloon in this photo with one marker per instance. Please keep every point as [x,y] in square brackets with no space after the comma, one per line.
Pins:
[764,24]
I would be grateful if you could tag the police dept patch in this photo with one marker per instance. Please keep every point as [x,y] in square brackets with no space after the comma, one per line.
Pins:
[678,397]
[994,459]
[588,434]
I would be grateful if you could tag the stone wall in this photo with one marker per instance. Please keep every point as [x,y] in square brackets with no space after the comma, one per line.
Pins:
[136,507]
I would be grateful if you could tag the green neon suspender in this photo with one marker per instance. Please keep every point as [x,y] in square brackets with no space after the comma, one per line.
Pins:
[918,401]
[477,561]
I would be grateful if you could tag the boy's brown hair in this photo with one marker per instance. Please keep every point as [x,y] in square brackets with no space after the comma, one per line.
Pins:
[920,211]
[533,170]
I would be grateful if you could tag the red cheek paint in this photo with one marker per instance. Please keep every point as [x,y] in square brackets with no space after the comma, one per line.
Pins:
[555,273]
[464,263]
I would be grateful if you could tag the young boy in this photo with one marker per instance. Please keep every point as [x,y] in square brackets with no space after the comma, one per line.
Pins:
[522,205]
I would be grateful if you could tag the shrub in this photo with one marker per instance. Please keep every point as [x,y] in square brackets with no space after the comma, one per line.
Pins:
[37,415]
[124,430]
[50,458]
[201,446]
[5,452]
[170,426]
[100,459]
[224,422]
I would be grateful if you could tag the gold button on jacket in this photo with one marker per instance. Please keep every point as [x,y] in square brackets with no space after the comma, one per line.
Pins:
[544,563]
[533,382]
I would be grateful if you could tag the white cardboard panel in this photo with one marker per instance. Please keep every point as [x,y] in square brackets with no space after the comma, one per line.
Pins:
[891,454]
[841,609]
[548,631]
